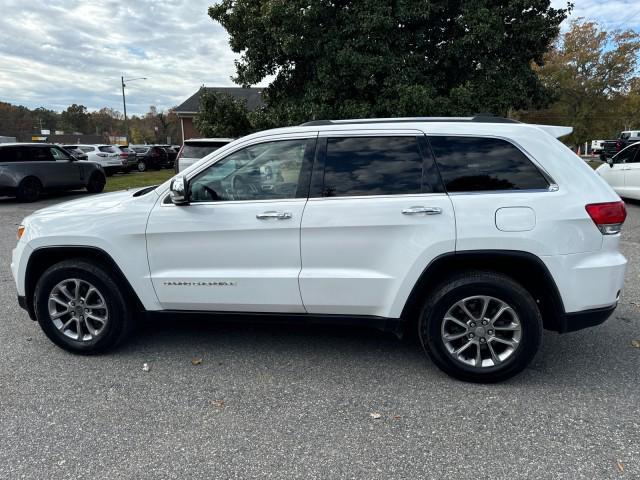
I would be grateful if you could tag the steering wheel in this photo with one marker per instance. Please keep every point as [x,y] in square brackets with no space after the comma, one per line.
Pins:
[241,189]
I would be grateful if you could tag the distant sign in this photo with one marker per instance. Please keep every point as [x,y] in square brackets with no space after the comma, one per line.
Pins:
[45,132]
[38,138]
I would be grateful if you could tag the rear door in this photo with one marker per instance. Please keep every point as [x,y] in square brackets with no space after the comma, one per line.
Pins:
[377,215]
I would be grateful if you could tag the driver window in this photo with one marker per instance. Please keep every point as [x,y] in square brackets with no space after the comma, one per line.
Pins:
[59,155]
[265,171]
[626,155]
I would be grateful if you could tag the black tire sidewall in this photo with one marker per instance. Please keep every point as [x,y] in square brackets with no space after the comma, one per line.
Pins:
[96,183]
[118,312]
[501,288]
[22,193]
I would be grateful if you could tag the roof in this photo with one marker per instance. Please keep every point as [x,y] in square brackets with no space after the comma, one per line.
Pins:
[209,140]
[252,97]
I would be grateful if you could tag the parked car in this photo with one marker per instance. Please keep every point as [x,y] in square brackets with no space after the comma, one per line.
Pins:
[197,148]
[75,152]
[171,155]
[150,156]
[106,155]
[612,147]
[597,147]
[129,158]
[475,233]
[622,172]
[28,169]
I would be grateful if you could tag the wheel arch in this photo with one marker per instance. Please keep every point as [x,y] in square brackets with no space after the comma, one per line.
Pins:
[44,257]
[524,267]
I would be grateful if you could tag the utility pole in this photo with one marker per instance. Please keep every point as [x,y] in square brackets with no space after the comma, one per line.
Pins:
[124,103]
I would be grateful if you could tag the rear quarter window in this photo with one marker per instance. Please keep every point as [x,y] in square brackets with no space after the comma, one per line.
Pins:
[471,164]
[13,154]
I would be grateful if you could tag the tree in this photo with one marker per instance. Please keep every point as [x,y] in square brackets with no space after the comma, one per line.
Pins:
[376,58]
[222,115]
[76,118]
[592,72]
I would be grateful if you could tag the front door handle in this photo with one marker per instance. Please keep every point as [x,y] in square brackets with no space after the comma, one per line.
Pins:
[272,214]
[422,210]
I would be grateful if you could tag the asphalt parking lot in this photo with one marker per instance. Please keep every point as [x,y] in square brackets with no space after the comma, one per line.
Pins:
[296,402]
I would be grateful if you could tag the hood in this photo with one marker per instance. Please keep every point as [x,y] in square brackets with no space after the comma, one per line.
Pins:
[89,204]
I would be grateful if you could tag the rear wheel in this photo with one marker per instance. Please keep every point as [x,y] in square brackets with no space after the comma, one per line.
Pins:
[96,183]
[142,166]
[80,308]
[29,190]
[481,327]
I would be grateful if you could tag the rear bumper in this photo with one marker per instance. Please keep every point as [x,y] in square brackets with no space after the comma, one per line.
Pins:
[588,318]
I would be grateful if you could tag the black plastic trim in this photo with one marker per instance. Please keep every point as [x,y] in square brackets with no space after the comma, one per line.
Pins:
[587,318]
[379,323]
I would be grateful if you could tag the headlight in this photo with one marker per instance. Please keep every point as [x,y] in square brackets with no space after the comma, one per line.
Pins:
[21,230]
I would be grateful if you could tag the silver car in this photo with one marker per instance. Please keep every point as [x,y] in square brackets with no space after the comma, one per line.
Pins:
[28,169]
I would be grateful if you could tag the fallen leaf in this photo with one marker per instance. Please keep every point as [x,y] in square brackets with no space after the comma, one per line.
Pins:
[29,339]
[196,361]
[635,343]
[397,417]
[145,367]
[375,415]
[218,403]
[620,466]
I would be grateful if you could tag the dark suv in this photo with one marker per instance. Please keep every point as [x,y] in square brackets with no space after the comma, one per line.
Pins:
[150,156]
[27,169]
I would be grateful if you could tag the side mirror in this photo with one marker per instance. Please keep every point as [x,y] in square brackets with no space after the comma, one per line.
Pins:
[610,161]
[178,191]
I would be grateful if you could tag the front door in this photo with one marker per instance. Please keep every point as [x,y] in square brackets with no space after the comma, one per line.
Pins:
[632,177]
[236,245]
[615,175]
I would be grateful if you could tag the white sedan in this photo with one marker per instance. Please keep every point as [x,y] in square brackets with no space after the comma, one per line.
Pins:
[622,172]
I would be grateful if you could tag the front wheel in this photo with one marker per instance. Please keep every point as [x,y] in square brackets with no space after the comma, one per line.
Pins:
[29,190]
[96,183]
[142,166]
[481,327]
[80,307]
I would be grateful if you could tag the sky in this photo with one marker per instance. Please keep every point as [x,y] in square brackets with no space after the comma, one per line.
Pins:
[57,52]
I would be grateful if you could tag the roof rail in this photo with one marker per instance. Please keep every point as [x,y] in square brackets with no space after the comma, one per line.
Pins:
[480,118]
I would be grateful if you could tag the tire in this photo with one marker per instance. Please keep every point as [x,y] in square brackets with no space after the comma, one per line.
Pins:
[518,328]
[142,166]
[96,183]
[29,190]
[116,312]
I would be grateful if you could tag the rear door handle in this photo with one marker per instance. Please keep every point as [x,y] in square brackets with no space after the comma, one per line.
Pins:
[272,214]
[422,210]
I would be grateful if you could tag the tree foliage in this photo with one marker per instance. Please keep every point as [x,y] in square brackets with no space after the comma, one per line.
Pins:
[592,72]
[222,115]
[376,58]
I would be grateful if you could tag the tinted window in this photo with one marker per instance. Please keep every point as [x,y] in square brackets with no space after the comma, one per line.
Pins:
[200,150]
[14,154]
[372,166]
[41,154]
[141,149]
[259,172]
[469,164]
[108,149]
[627,155]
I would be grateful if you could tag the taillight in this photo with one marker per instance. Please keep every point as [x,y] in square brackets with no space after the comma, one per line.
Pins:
[608,217]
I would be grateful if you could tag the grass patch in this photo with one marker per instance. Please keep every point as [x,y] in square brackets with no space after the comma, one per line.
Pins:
[122,181]
[594,165]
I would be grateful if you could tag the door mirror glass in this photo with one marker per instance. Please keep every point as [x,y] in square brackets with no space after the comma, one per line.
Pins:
[610,161]
[178,191]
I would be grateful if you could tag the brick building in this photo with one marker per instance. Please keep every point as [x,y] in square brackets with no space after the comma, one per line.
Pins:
[189,108]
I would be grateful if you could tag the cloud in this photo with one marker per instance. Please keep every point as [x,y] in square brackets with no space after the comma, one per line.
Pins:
[57,52]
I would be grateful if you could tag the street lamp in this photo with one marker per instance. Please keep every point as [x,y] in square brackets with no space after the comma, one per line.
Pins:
[124,103]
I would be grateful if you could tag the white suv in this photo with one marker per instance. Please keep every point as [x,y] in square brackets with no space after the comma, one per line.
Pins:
[476,233]
[106,155]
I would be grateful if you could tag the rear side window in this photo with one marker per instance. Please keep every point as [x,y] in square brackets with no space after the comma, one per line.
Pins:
[372,166]
[471,164]
[141,149]
[14,154]
[200,150]
[108,149]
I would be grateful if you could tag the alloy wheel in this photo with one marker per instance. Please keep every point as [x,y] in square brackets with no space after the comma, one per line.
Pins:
[481,332]
[78,309]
